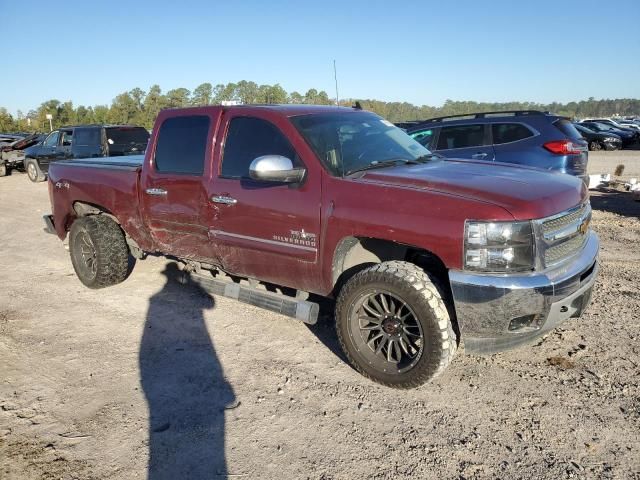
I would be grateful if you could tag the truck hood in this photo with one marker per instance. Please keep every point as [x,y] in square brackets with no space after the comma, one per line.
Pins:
[526,193]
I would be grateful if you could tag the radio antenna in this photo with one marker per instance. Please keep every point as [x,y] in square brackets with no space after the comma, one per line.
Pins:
[335,76]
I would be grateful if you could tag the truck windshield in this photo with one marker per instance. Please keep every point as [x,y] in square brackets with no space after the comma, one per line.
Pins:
[353,141]
[126,140]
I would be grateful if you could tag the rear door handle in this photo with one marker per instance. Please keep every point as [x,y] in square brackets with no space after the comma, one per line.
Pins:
[155,191]
[479,156]
[224,200]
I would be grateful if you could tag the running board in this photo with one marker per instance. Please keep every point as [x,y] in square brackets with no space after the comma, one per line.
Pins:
[289,306]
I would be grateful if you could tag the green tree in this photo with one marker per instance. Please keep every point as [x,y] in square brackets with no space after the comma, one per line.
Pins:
[178,97]
[202,95]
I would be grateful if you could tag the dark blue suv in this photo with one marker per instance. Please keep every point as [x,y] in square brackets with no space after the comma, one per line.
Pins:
[524,137]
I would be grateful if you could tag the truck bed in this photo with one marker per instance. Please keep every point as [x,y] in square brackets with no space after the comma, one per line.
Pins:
[108,182]
[130,162]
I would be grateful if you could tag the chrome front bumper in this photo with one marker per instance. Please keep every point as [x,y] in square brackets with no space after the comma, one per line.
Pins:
[498,312]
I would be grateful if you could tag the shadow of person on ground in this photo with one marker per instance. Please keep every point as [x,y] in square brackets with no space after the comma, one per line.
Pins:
[183,383]
[615,201]
[325,328]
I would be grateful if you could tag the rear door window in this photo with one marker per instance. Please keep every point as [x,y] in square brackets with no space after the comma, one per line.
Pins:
[182,145]
[509,132]
[462,136]
[86,137]
[249,138]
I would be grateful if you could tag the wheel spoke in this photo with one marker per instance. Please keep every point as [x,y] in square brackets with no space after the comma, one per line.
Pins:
[372,340]
[370,327]
[389,329]
[397,351]
[376,305]
[385,305]
[403,344]
[410,346]
[369,319]
[370,310]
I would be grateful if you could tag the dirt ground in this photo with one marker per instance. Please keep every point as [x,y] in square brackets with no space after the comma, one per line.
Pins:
[155,379]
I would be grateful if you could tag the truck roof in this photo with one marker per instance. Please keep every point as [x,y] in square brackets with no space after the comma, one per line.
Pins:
[286,110]
[101,125]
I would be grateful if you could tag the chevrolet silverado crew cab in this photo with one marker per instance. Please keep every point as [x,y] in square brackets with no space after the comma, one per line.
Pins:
[420,252]
[82,142]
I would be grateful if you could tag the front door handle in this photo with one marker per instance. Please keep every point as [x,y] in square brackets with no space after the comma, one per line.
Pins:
[224,200]
[155,191]
[479,156]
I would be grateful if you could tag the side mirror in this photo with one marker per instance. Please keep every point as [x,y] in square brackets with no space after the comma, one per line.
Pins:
[275,168]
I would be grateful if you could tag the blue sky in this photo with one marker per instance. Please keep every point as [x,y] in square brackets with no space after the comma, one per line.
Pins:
[422,52]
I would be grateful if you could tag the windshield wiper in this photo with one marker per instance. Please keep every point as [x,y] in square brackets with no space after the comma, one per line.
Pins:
[427,157]
[384,163]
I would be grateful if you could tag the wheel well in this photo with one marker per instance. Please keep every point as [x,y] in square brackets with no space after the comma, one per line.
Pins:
[357,253]
[83,209]
[354,254]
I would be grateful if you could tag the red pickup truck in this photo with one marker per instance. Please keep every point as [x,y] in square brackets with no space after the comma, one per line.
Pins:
[421,253]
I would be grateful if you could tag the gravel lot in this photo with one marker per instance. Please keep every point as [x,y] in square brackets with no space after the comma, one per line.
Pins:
[153,378]
[606,162]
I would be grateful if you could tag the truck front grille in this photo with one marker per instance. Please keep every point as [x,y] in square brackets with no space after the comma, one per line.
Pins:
[564,235]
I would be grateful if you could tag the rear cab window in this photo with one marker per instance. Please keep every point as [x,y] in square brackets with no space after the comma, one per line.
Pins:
[461,136]
[249,138]
[126,140]
[86,137]
[182,145]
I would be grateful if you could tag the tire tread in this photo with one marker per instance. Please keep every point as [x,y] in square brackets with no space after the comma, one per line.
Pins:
[419,281]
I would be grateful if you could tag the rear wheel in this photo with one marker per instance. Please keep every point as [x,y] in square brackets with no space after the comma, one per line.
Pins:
[593,145]
[394,326]
[33,171]
[99,251]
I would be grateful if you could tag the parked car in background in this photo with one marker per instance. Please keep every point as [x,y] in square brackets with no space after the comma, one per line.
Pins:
[528,137]
[84,141]
[599,141]
[8,138]
[627,136]
[629,124]
[613,123]
[12,155]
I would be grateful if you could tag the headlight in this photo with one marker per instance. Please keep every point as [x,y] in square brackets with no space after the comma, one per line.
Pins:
[610,139]
[498,246]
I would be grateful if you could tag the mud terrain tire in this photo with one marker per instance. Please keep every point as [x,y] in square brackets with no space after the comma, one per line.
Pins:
[99,252]
[399,301]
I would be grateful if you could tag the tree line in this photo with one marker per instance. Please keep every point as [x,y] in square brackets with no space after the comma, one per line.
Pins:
[141,107]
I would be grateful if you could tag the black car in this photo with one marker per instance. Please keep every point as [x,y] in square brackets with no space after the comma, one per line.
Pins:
[84,141]
[628,137]
[598,140]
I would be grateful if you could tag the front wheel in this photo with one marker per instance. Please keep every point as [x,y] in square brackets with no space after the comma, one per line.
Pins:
[393,325]
[34,172]
[99,251]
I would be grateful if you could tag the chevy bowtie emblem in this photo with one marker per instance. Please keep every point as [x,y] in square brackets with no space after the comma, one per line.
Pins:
[584,226]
